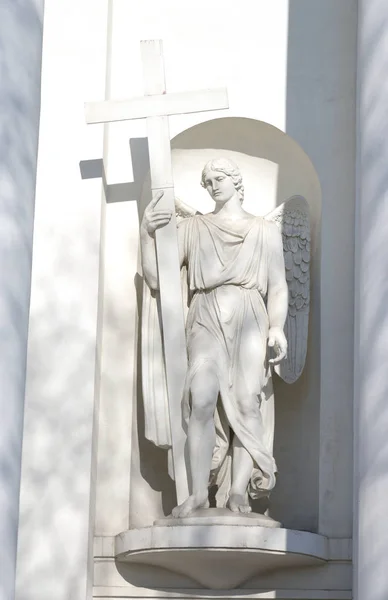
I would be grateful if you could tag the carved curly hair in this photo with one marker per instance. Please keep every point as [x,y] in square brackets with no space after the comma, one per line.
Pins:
[229,168]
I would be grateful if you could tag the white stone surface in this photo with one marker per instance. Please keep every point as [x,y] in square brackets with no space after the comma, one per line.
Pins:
[221,556]
[20,63]
[125,43]
[180,27]
[338,549]
[219,516]
[104,593]
[59,452]
[167,252]
[321,117]
[328,579]
[118,368]
[309,59]
[268,182]
[157,105]
[371,314]
[293,66]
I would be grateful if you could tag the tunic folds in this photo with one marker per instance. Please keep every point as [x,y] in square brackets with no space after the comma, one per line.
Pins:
[227,330]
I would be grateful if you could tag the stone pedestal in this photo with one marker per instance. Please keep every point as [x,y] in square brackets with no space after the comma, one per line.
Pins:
[219,516]
[222,554]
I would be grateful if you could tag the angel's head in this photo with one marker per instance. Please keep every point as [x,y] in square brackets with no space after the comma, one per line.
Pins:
[222,179]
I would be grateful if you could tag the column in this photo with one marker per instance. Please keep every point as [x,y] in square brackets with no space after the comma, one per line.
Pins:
[21,26]
[371,307]
[57,497]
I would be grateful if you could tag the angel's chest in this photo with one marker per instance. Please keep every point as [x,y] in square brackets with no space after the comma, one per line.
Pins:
[227,247]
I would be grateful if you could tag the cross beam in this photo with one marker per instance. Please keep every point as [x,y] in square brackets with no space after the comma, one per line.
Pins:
[158,105]
[155,106]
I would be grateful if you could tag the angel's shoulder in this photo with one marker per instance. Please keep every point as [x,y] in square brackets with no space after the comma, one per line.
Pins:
[185,221]
[271,226]
[273,235]
[187,225]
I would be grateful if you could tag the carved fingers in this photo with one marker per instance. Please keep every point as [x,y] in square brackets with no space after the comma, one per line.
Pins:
[277,341]
[159,218]
[153,218]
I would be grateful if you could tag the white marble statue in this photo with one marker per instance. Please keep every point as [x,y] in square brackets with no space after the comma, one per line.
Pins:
[246,285]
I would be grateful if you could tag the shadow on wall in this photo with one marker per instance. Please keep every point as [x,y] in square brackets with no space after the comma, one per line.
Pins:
[150,465]
[372,458]
[20,63]
[320,116]
[121,192]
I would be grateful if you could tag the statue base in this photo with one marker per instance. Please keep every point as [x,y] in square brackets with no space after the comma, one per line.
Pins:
[219,549]
[219,516]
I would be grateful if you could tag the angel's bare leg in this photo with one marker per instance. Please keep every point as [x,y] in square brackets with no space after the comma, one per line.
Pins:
[241,474]
[201,440]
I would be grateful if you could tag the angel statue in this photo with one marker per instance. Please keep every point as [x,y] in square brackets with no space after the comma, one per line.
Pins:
[247,290]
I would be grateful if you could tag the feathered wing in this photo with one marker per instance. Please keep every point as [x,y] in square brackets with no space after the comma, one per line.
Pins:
[155,397]
[292,218]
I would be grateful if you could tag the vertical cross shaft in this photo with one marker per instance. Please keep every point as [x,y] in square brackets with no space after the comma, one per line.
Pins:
[168,263]
[155,106]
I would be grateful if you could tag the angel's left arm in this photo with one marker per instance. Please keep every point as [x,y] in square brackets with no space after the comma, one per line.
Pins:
[277,295]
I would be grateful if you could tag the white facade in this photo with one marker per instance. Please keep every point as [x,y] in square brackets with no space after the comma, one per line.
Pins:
[87,472]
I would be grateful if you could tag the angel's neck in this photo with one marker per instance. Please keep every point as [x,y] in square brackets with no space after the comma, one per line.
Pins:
[230,210]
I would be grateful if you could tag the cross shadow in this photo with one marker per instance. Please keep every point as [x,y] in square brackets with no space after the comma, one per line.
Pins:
[121,192]
[151,462]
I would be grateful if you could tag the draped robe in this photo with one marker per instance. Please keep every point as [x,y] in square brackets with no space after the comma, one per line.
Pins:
[227,330]
[227,324]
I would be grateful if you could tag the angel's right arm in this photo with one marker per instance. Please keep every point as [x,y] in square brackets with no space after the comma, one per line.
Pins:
[148,257]
[148,252]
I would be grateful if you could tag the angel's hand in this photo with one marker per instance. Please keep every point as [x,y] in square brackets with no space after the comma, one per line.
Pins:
[154,219]
[277,341]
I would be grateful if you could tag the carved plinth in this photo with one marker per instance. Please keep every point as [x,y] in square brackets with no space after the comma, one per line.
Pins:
[219,516]
[220,550]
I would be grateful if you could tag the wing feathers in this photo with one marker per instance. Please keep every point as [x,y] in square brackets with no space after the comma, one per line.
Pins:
[292,217]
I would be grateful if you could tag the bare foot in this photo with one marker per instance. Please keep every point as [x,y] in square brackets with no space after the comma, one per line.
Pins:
[192,503]
[239,503]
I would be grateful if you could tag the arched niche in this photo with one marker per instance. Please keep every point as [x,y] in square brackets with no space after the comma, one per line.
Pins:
[274,167]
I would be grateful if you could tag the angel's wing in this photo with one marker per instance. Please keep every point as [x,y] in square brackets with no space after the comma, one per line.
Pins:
[292,218]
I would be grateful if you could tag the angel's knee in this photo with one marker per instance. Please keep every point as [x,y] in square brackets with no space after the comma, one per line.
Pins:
[204,393]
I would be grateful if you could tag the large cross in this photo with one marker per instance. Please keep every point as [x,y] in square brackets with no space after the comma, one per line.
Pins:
[155,106]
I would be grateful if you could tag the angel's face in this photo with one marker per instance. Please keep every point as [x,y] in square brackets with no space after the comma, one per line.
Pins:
[220,186]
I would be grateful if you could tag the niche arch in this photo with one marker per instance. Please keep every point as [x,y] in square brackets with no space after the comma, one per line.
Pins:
[274,167]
